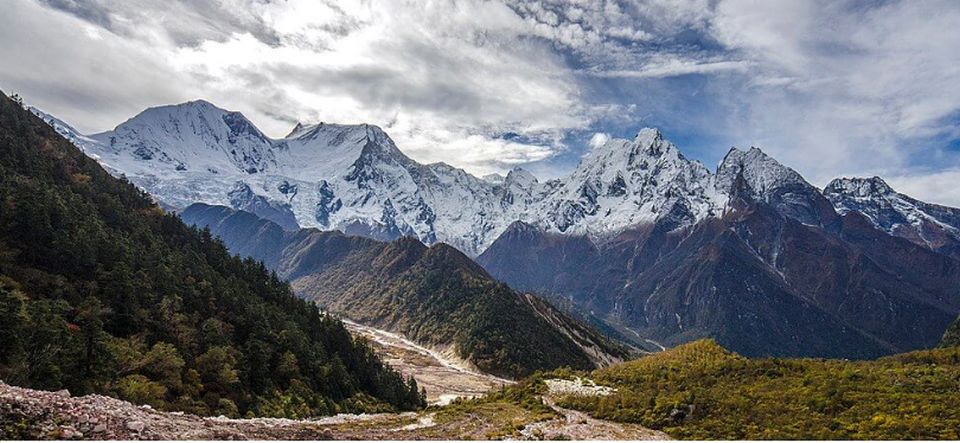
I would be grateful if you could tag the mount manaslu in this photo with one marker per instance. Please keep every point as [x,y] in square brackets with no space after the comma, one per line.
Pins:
[638,236]
[353,178]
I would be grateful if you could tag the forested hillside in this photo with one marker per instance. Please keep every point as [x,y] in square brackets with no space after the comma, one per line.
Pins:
[434,295]
[101,291]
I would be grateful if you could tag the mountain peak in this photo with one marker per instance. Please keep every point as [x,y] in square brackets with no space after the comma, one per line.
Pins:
[520,176]
[202,103]
[934,226]
[649,135]
[494,178]
[761,172]
[859,187]
[190,136]
[376,134]
[297,129]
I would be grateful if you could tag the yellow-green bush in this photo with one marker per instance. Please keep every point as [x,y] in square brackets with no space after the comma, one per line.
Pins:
[701,391]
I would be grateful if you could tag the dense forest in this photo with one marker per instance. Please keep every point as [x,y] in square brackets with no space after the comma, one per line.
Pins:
[702,391]
[102,291]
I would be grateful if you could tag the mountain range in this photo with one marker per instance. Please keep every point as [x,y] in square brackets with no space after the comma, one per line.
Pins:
[654,244]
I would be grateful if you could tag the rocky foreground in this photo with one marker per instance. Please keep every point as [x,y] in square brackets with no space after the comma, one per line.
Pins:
[31,414]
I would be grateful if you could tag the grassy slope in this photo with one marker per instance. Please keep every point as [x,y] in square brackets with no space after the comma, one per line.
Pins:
[701,391]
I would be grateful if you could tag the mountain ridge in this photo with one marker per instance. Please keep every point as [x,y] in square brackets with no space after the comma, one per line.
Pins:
[354,178]
[434,294]
[843,289]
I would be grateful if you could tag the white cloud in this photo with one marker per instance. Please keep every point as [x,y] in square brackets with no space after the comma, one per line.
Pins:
[598,139]
[830,88]
[447,80]
[673,67]
[87,75]
[934,187]
[840,88]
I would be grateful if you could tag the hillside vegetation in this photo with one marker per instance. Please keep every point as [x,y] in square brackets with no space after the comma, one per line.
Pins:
[701,391]
[434,295]
[101,291]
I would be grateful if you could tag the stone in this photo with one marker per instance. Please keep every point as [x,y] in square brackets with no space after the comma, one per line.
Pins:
[100,428]
[62,393]
[136,426]
[69,433]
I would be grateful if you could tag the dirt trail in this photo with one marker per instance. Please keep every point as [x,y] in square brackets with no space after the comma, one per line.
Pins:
[575,425]
[443,379]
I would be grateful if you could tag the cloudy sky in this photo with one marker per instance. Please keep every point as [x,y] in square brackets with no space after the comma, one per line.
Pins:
[830,88]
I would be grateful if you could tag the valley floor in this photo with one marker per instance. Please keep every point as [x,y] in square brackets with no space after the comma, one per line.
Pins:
[443,379]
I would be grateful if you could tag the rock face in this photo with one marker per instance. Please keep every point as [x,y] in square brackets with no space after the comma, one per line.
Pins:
[933,226]
[27,414]
[435,295]
[48,415]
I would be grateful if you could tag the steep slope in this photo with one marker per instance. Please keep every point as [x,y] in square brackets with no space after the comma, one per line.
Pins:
[933,226]
[435,295]
[103,292]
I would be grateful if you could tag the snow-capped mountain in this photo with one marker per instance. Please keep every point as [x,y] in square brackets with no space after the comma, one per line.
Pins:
[934,226]
[347,177]
[624,183]
[354,178]
[194,136]
[764,179]
[637,235]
